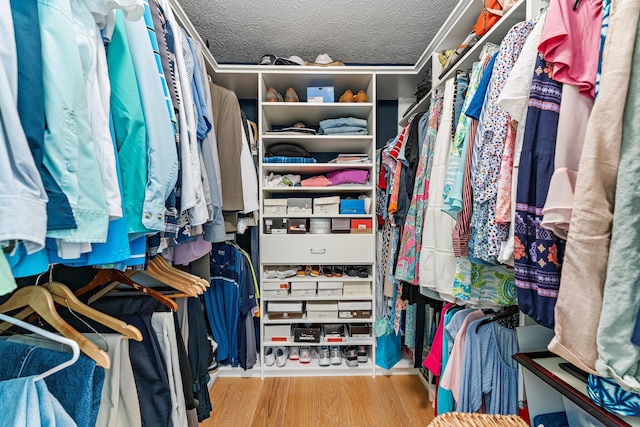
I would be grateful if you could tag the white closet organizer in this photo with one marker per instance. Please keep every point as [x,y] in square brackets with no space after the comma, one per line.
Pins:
[317,249]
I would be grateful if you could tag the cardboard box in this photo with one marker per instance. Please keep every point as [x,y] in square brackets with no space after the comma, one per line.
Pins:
[352,206]
[303,289]
[334,332]
[361,225]
[320,94]
[326,205]
[284,309]
[322,315]
[277,332]
[359,289]
[299,205]
[275,289]
[276,225]
[354,305]
[275,206]
[340,225]
[322,306]
[303,333]
[330,289]
[360,330]
[298,226]
[354,314]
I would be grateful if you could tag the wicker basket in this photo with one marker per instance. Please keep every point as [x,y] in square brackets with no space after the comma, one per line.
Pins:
[462,419]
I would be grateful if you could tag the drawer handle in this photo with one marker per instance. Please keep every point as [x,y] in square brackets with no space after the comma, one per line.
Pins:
[318,251]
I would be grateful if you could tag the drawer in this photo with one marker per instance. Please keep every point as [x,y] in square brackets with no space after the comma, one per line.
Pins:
[318,249]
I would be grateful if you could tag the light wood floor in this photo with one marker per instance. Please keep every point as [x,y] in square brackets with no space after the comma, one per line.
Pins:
[398,400]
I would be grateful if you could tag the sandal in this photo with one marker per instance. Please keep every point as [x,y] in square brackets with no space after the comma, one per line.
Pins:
[337,270]
[327,271]
[315,271]
[351,271]
[302,270]
[363,272]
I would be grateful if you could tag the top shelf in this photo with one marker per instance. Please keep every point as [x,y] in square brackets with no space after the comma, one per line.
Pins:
[495,35]
[287,113]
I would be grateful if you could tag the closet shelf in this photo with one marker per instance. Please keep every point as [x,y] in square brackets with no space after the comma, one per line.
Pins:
[320,279]
[304,319]
[265,215]
[346,341]
[321,298]
[287,113]
[322,143]
[329,189]
[312,168]
[495,35]
[295,368]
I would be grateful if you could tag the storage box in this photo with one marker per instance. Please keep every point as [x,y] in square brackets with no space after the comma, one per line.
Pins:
[326,205]
[340,225]
[354,305]
[298,226]
[357,289]
[303,333]
[277,332]
[275,289]
[334,332]
[320,226]
[275,206]
[299,205]
[320,94]
[361,226]
[284,309]
[352,206]
[354,314]
[330,289]
[303,289]
[322,310]
[276,225]
[360,330]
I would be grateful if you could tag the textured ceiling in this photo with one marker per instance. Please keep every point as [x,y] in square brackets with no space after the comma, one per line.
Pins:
[356,32]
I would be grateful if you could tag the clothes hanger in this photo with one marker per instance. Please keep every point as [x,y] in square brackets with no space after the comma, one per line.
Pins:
[175,281]
[40,300]
[508,314]
[112,275]
[75,349]
[160,264]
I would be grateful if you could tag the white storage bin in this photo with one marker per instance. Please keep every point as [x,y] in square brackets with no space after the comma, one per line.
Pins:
[275,289]
[303,289]
[326,205]
[275,206]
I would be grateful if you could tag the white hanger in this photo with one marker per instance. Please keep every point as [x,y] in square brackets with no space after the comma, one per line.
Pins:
[75,349]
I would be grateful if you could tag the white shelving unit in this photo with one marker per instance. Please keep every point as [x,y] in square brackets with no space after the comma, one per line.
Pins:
[317,249]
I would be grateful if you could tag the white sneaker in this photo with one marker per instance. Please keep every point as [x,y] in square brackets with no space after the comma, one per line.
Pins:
[336,355]
[294,353]
[281,356]
[323,356]
[305,355]
[269,356]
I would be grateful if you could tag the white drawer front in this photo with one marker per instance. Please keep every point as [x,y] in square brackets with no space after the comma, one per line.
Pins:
[318,249]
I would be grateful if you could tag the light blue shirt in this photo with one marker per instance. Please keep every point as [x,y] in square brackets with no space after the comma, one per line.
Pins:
[161,143]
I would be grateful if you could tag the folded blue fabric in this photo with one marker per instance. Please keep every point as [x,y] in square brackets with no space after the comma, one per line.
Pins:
[286,159]
[343,121]
[344,130]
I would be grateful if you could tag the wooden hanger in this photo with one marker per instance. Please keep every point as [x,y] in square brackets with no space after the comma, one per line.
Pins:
[111,275]
[172,277]
[40,300]
[192,279]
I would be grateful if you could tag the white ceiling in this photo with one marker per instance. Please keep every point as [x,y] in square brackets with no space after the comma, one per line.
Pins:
[377,32]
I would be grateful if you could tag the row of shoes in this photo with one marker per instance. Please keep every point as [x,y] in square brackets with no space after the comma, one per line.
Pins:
[291,96]
[327,355]
[333,271]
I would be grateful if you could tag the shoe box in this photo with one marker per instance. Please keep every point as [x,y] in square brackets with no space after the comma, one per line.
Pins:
[299,205]
[276,225]
[357,289]
[330,289]
[326,205]
[275,206]
[303,289]
[334,332]
[319,310]
[284,309]
[354,309]
[362,226]
[304,333]
[359,330]
[277,332]
[340,225]
[298,226]
[275,289]
[320,94]
[352,206]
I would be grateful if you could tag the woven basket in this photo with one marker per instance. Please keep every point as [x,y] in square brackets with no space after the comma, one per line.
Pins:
[462,419]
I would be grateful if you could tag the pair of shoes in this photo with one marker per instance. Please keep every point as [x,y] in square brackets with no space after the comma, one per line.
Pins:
[269,356]
[315,271]
[282,354]
[274,96]
[303,270]
[348,96]
[363,356]
[357,271]
[324,358]
[294,353]
[335,355]
[351,357]
[305,355]
[332,271]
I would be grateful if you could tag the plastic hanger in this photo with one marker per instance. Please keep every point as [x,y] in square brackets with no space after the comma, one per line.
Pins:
[111,275]
[40,300]
[505,314]
[75,349]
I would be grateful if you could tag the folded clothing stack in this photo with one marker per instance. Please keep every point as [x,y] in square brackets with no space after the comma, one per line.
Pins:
[287,153]
[343,126]
[345,176]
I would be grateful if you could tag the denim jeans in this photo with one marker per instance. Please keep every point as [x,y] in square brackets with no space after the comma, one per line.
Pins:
[77,388]
[461,88]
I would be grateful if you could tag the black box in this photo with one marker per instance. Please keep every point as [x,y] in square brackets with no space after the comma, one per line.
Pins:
[298,226]
[276,225]
[302,333]
[340,225]
[360,330]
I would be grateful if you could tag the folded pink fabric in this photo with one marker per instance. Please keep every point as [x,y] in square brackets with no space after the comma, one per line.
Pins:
[348,176]
[316,181]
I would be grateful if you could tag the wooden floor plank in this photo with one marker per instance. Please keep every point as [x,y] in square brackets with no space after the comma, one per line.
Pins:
[270,409]
[230,398]
[413,397]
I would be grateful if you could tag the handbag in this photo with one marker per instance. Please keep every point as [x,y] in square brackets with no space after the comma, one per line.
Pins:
[388,343]
[490,14]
